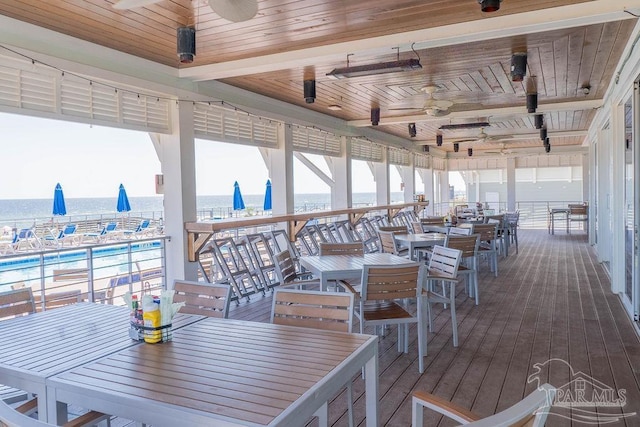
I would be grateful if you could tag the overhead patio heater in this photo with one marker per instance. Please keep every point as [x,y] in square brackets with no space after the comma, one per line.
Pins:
[186,44]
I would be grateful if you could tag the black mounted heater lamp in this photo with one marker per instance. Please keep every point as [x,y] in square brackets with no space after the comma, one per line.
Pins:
[439,140]
[186,44]
[309,91]
[539,121]
[375,116]
[412,130]
[489,5]
[532,102]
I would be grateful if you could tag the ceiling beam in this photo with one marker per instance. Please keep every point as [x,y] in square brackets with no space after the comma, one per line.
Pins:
[519,111]
[517,137]
[580,14]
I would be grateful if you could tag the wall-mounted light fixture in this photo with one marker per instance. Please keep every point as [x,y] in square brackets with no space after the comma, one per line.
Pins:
[425,148]
[375,116]
[186,44]
[439,140]
[489,5]
[309,91]
[470,151]
[518,66]
[412,130]
[547,148]
[456,147]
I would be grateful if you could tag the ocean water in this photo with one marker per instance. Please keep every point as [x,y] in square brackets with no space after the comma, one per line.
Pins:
[27,212]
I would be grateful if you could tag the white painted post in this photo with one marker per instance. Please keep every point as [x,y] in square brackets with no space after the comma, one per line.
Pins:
[177,157]
[280,167]
[341,192]
[511,184]
[408,174]
[381,177]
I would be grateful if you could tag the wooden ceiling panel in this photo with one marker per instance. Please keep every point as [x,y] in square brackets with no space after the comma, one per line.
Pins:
[474,75]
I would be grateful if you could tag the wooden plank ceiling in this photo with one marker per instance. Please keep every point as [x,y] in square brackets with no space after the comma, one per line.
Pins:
[475,75]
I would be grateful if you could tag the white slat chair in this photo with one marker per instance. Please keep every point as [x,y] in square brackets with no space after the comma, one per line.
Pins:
[443,268]
[204,299]
[384,289]
[331,311]
[469,264]
[530,411]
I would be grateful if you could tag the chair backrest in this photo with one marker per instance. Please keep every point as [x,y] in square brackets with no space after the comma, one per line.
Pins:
[444,261]
[387,242]
[58,299]
[350,248]
[487,232]
[285,267]
[416,226]
[530,411]
[460,231]
[388,282]
[69,229]
[495,219]
[467,244]
[396,228]
[313,309]
[433,220]
[205,299]
[577,209]
[17,302]
[512,218]
[111,226]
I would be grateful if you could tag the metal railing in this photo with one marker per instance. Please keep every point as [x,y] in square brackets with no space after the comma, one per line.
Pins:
[533,214]
[101,272]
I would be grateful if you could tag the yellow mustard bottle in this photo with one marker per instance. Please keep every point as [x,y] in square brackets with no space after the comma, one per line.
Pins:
[151,317]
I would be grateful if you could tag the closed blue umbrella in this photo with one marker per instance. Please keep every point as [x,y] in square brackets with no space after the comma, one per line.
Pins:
[123,200]
[238,203]
[59,207]
[267,197]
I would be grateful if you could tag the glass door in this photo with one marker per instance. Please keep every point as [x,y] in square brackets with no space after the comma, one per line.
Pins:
[631,121]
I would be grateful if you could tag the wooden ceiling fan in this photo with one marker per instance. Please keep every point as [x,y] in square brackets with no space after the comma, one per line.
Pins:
[231,10]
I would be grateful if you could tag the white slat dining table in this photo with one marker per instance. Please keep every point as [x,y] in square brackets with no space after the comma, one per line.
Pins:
[345,267]
[225,372]
[40,345]
[419,240]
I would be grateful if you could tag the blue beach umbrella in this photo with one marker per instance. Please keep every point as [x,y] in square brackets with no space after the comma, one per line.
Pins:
[238,203]
[59,208]
[123,200]
[267,197]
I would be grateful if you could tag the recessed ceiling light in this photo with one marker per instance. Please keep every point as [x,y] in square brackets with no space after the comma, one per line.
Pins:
[334,107]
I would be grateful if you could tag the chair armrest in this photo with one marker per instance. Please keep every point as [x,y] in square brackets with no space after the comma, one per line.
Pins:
[301,283]
[348,287]
[444,407]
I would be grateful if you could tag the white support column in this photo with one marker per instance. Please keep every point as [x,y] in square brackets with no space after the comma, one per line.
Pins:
[444,190]
[341,194]
[280,165]
[408,174]
[511,184]
[177,157]
[427,178]
[381,177]
[585,176]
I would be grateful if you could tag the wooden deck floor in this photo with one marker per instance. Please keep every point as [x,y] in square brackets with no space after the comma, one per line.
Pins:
[550,301]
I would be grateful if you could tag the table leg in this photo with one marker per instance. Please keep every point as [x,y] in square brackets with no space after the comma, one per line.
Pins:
[56,411]
[371,389]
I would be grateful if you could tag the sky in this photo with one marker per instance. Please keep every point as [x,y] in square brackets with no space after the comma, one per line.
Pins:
[92,161]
